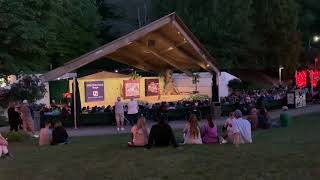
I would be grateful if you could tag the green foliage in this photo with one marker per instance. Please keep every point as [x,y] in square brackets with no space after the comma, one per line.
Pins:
[17,136]
[37,33]
[27,88]
[235,84]
[197,97]
[246,34]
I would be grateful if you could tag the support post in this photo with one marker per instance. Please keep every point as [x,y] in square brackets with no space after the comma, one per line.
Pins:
[74,88]
[215,87]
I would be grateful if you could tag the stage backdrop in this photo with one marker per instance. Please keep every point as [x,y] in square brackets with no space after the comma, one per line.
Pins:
[152,87]
[131,88]
[94,91]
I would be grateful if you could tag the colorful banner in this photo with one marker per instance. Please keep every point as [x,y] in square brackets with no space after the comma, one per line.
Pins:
[152,87]
[131,88]
[94,91]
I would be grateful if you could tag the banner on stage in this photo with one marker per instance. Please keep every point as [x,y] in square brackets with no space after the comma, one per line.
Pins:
[152,87]
[131,88]
[94,91]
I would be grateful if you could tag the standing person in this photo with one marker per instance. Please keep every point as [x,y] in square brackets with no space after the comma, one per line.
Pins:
[209,132]
[14,118]
[139,133]
[119,114]
[161,134]
[133,109]
[192,131]
[25,114]
[241,129]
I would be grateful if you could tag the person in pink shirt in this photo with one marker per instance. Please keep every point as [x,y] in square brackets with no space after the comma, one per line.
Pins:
[4,152]
[139,134]
[45,135]
[209,132]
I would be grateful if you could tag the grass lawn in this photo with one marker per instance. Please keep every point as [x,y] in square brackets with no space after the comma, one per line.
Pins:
[291,153]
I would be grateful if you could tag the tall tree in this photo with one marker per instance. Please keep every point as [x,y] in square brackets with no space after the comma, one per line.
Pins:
[37,33]
[224,27]
[276,23]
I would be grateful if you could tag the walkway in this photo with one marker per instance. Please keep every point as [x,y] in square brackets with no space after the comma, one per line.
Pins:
[93,131]
[104,130]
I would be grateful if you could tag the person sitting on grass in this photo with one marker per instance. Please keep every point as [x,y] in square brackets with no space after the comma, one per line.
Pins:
[241,129]
[139,134]
[191,131]
[161,134]
[4,152]
[263,119]
[45,135]
[227,127]
[209,132]
[284,117]
[59,134]
[253,119]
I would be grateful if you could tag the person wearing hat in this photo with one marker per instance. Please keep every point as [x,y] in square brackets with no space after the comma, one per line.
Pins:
[284,117]
[241,130]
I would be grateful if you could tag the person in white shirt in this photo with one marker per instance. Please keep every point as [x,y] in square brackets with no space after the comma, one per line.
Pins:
[133,109]
[119,113]
[241,129]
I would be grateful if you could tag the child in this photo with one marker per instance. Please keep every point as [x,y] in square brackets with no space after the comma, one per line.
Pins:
[139,134]
[45,135]
[4,152]
[59,134]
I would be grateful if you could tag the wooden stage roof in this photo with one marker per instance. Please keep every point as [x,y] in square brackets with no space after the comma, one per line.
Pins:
[163,44]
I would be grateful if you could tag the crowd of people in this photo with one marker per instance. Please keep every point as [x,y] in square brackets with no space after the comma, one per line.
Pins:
[253,98]
[237,131]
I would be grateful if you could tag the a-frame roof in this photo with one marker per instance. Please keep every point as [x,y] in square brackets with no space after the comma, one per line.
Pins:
[162,44]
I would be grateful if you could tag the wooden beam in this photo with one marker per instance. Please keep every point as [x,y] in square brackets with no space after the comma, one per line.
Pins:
[194,45]
[165,59]
[137,65]
[106,49]
[181,52]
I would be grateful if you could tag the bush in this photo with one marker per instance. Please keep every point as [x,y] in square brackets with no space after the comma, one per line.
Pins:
[3,121]
[17,136]
[197,97]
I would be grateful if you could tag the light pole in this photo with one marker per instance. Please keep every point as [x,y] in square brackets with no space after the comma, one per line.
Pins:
[315,39]
[280,73]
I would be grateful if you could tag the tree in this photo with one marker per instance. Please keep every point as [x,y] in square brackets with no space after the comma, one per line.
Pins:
[276,23]
[26,88]
[36,33]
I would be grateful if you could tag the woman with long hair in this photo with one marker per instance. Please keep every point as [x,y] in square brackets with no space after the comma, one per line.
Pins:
[192,131]
[209,132]
[139,133]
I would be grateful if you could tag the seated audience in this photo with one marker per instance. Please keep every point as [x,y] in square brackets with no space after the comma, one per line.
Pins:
[209,132]
[139,134]
[4,152]
[161,134]
[253,119]
[59,134]
[191,131]
[241,129]
[284,117]
[45,135]
[263,119]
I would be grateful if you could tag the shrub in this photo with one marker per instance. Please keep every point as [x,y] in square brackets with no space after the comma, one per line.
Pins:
[17,136]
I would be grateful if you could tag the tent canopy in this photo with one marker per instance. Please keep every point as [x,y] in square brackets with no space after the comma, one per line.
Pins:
[163,44]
